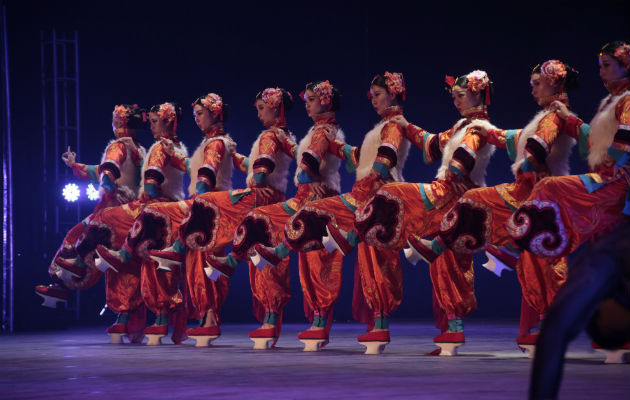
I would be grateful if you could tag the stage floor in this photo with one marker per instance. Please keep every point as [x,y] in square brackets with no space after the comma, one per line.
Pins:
[79,363]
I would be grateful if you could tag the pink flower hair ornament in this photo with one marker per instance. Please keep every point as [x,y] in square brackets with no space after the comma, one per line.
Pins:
[324,90]
[121,113]
[477,81]
[167,112]
[622,53]
[272,97]
[214,103]
[395,84]
[553,70]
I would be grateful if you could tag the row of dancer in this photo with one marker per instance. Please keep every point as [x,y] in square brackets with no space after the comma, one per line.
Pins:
[378,217]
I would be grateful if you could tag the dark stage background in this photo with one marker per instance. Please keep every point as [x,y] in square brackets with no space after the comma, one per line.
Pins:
[151,52]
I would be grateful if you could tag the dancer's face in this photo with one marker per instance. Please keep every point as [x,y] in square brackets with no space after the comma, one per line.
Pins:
[158,126]
[541,88]
[203,117]
[464,99]
[382,99]
[610,70]
[313,104]
[266,114]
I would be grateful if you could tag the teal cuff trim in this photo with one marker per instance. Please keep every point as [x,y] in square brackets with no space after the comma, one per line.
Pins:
[455,170]
[425,150]
[590,184]
[234,198]
[107,183]
[260,177]
[81,263]
[620,156]
[345,202]
[455,325]
[427,203]
[510,145]
[123,318]
[381,169]
[527,166]
[347,154]
[381,323]
[161,319]
[271,318]
[303,177]
[626,208]
[231,261]
[92,174]
[288,209]
[188,166]
[125,255]
[437,247]
[151,189]
[247,163]
[202,187]
[353,238]
[282,250]
[179,247]
[320,321]
[585,130]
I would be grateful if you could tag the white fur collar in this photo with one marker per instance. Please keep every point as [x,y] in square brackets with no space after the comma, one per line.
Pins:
[604,126]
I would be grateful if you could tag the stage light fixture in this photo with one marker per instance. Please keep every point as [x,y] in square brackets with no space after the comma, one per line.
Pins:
[92,193]
[71,192]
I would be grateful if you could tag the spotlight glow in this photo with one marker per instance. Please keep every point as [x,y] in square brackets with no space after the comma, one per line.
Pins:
[92,193]
[71,192]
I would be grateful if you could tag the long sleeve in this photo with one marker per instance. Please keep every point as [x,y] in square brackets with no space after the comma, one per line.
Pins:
[213,153]
[85,171]
[350,154]
[429,143]
[240,162]
[312,157]
[392,136]
[265,163]
[505,139]
[465,155]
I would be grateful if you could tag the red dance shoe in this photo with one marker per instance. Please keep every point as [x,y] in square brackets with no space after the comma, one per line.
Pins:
[264,338]
[156,330]
[108,259]
[167,258]
[529,339]
[207,331]
[337,239]
[377,336]
[51,294]
[217,266]
[263,333]
[117,328]
[313,334]
[419,249]
[71,266]
[450,337]
[265,255]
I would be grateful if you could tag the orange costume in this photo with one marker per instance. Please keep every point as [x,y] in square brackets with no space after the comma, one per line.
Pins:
[320,271]
[563,212]
[479,217]
[401,209]
[384,147]
[214,216]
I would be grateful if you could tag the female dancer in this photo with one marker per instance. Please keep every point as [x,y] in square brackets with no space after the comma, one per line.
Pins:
[316,177]
[213,216]
[383,154]
[117,175]
[162,180]
[210,169]
[479,216]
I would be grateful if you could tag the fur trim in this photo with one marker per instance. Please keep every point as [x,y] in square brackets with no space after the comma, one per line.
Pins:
[369,151]
[558,158]
[128,184]
[173,184]
[224,173]
[478,173]
[329,165]
[604,126]
[278,179]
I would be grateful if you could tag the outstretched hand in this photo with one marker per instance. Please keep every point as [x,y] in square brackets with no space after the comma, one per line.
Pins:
[69,157]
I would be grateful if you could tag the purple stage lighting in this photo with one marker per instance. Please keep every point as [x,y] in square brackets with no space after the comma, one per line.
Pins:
[71,192]
[92,192]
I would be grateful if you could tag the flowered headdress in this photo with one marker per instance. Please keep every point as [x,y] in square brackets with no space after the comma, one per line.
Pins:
[323,90]
[214,103]
[121,113]
[476,81]
[167,112]
[622,54]
[273,98]
[553,70]
[395,83]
